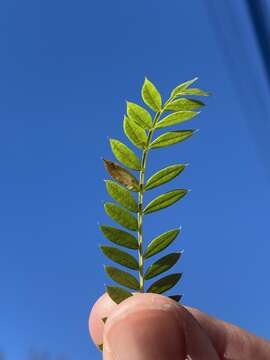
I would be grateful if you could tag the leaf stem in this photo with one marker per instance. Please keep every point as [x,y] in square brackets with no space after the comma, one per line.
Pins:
[141,195]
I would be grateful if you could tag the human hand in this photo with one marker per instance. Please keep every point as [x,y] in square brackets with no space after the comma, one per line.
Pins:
[154,327]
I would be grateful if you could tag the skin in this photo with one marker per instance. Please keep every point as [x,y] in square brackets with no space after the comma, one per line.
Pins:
[154,327]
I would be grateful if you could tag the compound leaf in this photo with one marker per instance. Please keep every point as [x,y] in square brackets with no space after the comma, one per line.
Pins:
[183,86]
[164,175]
[139,128]
[176,118]
[138,114]
[119,237]
[121,175]
[160,243]
[121,195]
[165,200]
[122,277]
[164,284]
[162,265]
[121,216]
[184,105]
[135,133]
[151,96]
[170,138]
[120,257]
[117,294]
[125,155]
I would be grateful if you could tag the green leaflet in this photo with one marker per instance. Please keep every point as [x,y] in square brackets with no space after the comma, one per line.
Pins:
[170,138]
[164,284]
[160,243]
[122,277]
[151,96]
[164,175]
[138,114]
[183,104]
[165,200]
[135,133]
[183,86]
[119,237]
[176,118]
[122,175]
[125,155]
[193,91]
[176,298]
[121,195]
[121,216]
[117,294]
[120,257]
[162,265]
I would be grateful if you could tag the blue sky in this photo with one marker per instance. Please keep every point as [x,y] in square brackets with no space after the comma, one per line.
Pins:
[66,71]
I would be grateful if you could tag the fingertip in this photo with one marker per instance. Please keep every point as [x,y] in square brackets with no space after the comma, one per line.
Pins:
[106,307]
[102,308]
[139,328]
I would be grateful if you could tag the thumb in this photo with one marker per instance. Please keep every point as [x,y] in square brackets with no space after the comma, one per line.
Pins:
[153,327]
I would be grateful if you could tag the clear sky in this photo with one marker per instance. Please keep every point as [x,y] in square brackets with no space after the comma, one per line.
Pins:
[66,70]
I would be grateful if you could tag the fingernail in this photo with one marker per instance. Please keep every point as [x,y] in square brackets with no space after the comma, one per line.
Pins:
[146,335]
